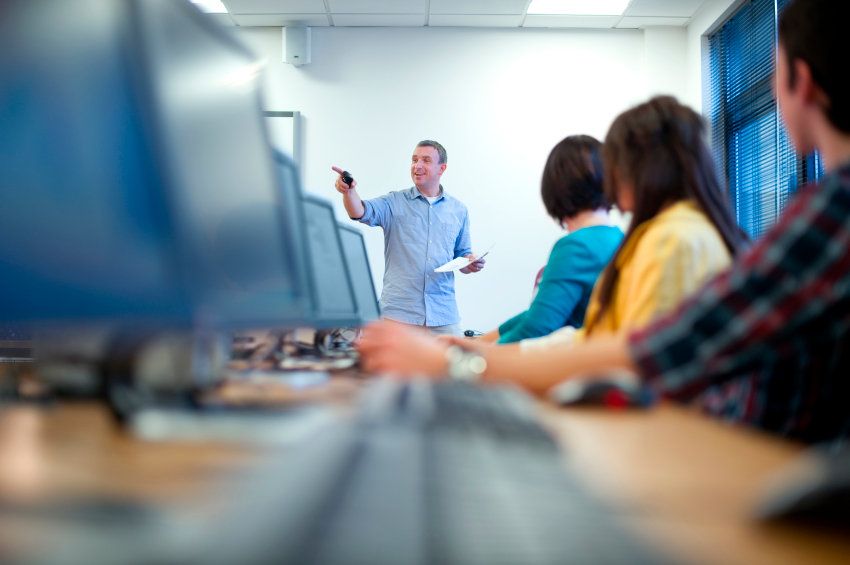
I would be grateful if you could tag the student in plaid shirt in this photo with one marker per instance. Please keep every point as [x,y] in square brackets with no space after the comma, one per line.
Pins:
[768,341]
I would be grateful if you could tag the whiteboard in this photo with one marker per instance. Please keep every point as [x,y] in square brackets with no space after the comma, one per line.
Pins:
[285,132]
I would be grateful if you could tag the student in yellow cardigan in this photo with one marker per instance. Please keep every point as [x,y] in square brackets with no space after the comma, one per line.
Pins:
[658,167]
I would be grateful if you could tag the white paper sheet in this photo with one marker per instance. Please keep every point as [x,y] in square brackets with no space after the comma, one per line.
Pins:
[460,262]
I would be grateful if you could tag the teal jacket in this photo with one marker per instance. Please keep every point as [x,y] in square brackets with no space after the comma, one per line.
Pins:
[568,278]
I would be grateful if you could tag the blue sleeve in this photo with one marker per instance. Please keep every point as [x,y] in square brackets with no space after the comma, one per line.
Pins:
[569,274]
[378,211]
[463,243]
[509,325]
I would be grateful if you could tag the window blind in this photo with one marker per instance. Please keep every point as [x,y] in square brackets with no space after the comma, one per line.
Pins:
[748,138]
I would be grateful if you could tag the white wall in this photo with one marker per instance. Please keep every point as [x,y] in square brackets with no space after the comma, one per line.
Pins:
[498,99]
[665,55]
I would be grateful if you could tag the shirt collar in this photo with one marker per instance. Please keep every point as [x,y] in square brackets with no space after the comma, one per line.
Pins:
[413,193]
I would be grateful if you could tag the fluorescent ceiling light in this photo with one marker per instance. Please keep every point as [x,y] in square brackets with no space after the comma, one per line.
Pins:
[578,7]
[210,6]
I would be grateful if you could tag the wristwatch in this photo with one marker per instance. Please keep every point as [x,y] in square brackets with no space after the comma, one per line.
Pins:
[465,365]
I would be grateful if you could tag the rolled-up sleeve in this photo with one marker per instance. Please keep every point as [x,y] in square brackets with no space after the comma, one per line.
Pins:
[463,243]
[377,212]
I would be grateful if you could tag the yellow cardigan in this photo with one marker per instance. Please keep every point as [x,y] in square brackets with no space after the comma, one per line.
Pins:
[666,259]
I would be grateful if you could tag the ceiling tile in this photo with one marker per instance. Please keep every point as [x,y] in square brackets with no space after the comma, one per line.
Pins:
[635,22]
[668,8]
[478,6]
[281,20]
[378,6]
[223,19]
[378,20]
[275,6]
[456,20]
[539,20]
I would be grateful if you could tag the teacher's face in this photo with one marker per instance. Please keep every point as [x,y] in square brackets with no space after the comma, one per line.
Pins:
[425,167]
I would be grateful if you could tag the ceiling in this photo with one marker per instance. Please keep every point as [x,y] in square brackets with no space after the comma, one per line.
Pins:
[444,13]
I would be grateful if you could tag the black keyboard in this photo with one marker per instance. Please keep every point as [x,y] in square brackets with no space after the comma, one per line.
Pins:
[427,473]
[15,345]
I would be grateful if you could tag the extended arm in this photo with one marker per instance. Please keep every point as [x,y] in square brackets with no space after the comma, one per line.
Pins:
[388,347]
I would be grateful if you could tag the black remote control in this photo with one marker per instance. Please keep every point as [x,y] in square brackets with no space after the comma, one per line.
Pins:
[347,178]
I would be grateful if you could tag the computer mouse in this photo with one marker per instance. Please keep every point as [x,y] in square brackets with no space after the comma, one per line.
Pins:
[614,391]
[815,488]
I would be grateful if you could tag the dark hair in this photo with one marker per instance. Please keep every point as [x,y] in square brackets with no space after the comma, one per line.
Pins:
[572,177]
[659,147]
[813,31]
[441,151]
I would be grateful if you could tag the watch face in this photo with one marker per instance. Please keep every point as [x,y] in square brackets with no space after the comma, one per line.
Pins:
[477,364]
[465,365]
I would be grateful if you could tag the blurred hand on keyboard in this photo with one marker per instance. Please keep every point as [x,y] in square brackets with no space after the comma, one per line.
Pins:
[451,339]
[477,345]
[399,350]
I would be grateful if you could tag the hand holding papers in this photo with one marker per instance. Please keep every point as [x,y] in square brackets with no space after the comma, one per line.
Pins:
[460,263]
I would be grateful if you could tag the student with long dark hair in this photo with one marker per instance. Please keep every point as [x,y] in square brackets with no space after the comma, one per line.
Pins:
[572,191]
[768,341]
[682,230]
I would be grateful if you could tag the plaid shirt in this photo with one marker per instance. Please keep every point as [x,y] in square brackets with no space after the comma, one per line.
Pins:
[768,341]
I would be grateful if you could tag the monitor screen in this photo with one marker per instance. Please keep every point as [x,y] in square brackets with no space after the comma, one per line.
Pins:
[135,171]
[335,301]
[290,194]
[224,187]
[361,275]
[83,223]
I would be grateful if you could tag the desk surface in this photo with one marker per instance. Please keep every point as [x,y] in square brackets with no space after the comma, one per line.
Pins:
[683,481]
[689,483]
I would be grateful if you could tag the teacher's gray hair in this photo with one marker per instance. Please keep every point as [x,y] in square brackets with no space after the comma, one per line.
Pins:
[441,151]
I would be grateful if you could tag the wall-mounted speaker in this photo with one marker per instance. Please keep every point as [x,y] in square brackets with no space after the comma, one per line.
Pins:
[296,45]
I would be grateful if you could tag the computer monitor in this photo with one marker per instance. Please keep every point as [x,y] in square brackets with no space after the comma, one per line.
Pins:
[136,174]
[291,196]
[361,275]
[336,305]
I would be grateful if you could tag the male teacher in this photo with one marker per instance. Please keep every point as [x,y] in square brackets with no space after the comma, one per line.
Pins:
[424,228]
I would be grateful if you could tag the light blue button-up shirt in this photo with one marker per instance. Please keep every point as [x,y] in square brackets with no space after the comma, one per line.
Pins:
[419,237]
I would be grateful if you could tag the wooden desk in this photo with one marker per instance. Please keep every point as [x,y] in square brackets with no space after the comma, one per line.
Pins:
[689,483]
[681,480]
[76,450]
